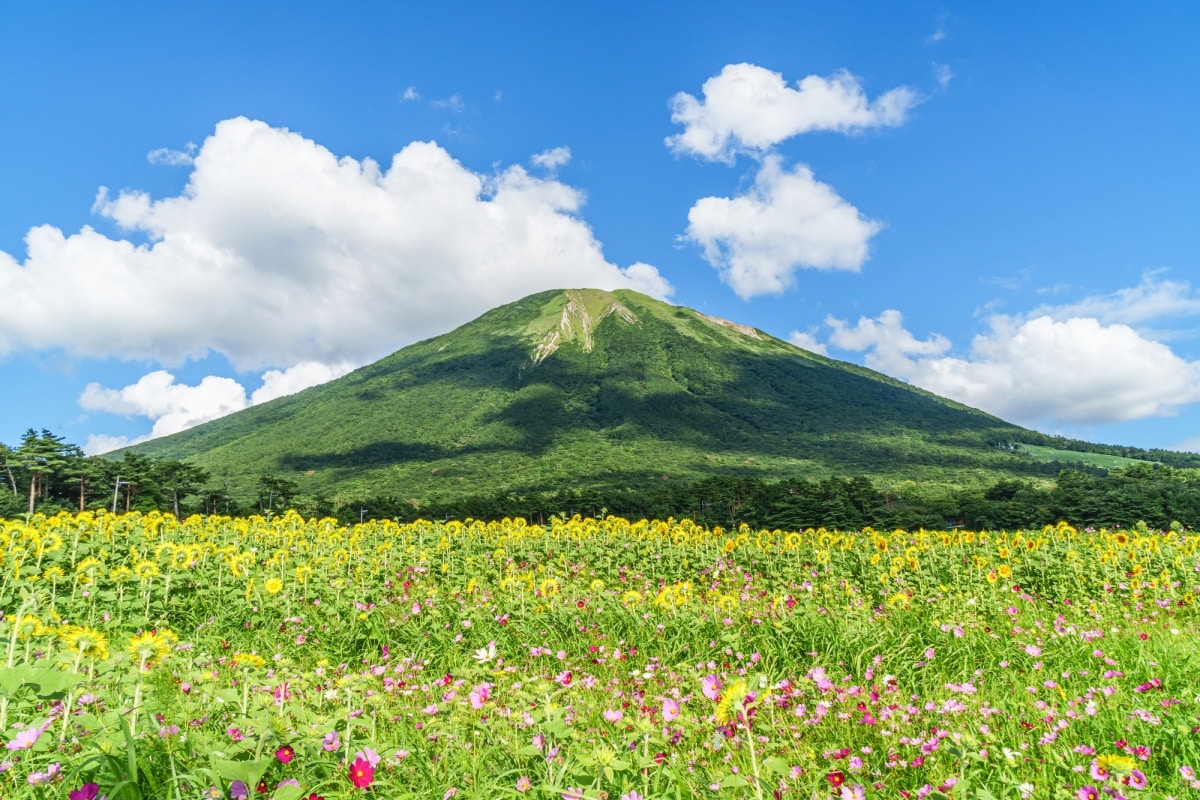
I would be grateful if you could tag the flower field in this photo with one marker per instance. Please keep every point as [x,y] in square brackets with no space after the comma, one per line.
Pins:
[145,657]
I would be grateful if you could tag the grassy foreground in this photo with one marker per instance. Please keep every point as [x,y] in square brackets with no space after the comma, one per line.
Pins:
[291,658]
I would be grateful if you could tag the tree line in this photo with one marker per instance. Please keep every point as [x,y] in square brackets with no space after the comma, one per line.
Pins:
[1154,494]
[47,474]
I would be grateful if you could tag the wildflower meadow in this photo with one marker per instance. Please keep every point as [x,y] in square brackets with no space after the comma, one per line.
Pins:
[146,657]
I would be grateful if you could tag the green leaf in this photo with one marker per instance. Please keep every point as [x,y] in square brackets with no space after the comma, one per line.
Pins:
[45,683]
[287,793]
[248,772]
[733,781]
[130,751]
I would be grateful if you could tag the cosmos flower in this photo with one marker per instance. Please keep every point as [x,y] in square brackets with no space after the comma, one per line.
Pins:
[362,774]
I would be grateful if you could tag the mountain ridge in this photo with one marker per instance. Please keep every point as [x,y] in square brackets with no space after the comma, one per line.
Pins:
[596,388]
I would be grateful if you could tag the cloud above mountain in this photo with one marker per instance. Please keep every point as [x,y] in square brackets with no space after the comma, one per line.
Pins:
[787,220]
[278,251]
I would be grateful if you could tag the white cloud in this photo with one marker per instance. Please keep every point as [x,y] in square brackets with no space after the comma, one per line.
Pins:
[173,158]
[808,341]
[410,94]
[787,221]
[279,252]
[98,443]
[890,345]
[552,159]
[1037,370]
[174,407]
[747,108]
[1152,300]
[279,383]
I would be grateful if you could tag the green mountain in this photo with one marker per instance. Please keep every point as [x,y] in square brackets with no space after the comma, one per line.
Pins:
[586,388]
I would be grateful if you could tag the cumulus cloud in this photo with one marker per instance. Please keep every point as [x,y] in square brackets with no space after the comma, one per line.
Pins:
[552,159]
[890,346]
[279,252]
[749,109]
[410,94]
[786,222]
[173,407]
[279,383]
[1035,370]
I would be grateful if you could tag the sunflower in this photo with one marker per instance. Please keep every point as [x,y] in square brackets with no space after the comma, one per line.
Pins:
[273,586]
[85,642]
[247,660]
[731,699]
[151,647]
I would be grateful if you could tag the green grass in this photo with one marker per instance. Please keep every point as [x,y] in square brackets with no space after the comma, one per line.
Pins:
[1102,460]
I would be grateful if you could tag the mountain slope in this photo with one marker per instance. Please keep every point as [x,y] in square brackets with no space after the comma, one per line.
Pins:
[584,388]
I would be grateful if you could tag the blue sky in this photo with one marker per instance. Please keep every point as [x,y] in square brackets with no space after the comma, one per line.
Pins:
[206,206]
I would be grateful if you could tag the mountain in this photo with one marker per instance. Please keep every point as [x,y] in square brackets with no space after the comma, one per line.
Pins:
[582,388]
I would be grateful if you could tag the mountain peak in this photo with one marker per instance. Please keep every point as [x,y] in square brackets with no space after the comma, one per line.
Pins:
[584,387]
[583,311]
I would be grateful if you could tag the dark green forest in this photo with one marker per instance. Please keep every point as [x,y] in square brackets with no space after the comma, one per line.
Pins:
[44,473]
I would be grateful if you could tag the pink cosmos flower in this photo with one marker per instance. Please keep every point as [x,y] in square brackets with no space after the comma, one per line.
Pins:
[710,686]
[24,739]
[362,774]
[479,695]
[613,715]
[1136,779]
[670,709]
[855,792]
